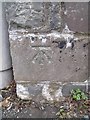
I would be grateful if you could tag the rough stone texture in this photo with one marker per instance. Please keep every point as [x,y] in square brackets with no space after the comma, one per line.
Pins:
[37,17]
[38,61]
[43,48]
[76,16]
[48,90]
[67,88]
[45,16]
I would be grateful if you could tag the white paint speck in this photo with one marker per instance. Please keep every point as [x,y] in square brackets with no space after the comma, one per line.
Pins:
[30,114]
[49,62]
[32,41]
[20,39]
[65,12]
[54,34]
[33,62]
[44,40]
[81,19]
[75,39]
[68,44]
[66,29]
[13,37]
[40,37]
[45,48]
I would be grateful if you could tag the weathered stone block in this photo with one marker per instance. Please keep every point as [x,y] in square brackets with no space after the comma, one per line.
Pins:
[77,16]
[39,91]
[36,16]
[43,49]
[67,88]
[40,57]
[48,90]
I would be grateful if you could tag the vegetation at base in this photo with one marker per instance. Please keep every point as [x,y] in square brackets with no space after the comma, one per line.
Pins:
[78,94]
[77,105]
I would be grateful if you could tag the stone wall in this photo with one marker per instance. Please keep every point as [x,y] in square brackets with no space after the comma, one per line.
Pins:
[37,17]
[43,17]
[45,46]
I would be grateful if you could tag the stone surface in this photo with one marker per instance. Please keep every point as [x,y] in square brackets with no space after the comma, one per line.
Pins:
[67,88]
[39,91]
[46,16]
[45,48]
[36,16]
[76,16]
[38,59]
[38,55]
[48,90]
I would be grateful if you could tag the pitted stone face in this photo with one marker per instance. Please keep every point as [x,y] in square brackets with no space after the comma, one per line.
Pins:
[43,58]
[36,16]
[61,57]
[43,47]
[76,16]
[47,90]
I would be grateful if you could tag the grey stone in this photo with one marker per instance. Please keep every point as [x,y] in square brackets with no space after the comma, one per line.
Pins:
[36,16]
[40,91]
[76,16]
[66,89]
[46,16]
[48,90]
[39,61]
[43,48]
[28,91]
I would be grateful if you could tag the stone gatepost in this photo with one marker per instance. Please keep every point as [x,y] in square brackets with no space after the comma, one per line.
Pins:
[48,57]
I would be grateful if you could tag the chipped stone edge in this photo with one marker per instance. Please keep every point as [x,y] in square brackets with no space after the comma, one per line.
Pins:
[23,93]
